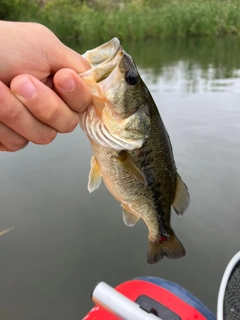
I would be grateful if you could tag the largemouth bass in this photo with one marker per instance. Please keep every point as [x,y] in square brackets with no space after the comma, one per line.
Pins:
[132,151]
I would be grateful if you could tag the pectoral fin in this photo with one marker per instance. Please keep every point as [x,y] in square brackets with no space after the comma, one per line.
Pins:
[129,218]
[182,198]
[131,166]
[94,178]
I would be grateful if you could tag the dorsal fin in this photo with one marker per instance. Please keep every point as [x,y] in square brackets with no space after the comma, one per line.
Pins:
[182,198]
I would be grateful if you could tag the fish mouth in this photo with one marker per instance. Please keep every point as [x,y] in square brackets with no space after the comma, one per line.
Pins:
[103,60]
[102,54]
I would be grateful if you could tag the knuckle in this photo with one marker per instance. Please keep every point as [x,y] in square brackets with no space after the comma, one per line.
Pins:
[4,93]
[10,108]
[69,126]
[3,147]
[17,144]
[51,114]
[40,28]
[14,113]
[46,138]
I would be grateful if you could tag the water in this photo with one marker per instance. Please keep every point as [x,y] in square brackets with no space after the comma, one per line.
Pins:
[66,240]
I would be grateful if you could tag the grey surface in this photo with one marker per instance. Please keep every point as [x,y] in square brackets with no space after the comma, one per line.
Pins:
[66,240]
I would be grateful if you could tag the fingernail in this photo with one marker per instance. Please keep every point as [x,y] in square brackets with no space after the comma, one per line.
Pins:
[68,83]
[26,88]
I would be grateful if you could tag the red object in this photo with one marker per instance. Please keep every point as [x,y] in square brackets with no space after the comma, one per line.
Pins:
[134,288]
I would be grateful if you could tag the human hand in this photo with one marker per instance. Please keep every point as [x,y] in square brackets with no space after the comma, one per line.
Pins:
[41,93]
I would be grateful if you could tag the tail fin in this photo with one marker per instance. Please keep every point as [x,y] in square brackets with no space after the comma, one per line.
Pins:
[170,247]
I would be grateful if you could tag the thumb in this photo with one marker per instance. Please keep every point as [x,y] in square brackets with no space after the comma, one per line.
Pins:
[31,48]
[60,56]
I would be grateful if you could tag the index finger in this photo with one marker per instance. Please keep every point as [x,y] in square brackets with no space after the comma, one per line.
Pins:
[72,89]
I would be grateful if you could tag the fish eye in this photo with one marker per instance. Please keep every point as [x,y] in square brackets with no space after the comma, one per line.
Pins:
[131,77]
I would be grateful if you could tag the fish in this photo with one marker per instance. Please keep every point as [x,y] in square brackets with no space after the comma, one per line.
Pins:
[132,151]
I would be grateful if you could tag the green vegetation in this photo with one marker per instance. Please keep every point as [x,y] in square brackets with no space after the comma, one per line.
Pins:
[210,57]
[96,20]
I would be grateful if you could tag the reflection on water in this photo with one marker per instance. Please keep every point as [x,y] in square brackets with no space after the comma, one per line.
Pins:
[190,65]
[186,65]
[66,240]
[178,78]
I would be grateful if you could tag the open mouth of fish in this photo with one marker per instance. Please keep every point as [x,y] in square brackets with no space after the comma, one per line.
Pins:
[99,122]
[103,60]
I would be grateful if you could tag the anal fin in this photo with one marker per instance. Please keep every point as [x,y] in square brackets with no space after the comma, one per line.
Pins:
[129,218]
[182,198]
[94,177]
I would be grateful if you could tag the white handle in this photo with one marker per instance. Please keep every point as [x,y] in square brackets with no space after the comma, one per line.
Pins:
[110,299]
